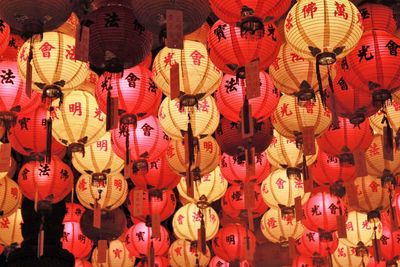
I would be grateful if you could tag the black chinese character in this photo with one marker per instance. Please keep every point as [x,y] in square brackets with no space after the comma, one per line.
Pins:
[219,32]
[111,20]
[7,77]
[362,53]
[237,196]
[333,208]
[44,170]
[230,85]
[23,123]
[64,174]
[310,236]
[147,129]
[140,236]
[231,239]
[392,46]
[271,32]
[132,78]
[152,86]
[25,174]
[343,85]
[315,210]
[364,13]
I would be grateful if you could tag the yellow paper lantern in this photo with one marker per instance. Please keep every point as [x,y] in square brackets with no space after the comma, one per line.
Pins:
[206,156]
[291,116]
[197,74]
[99,158]
[323,29]
[53,61]
[208,189]
[345,256]
[110,193]
[183,253]
[278,228]
[187,222]
[10,229]
[10,197]
[78,121]
[174,119]
[279,191]
[392,111]
[117,255]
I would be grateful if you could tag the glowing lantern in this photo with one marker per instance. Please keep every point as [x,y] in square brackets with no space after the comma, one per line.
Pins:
[372,65]
[11,51]
[234,242]
[82,263]
[291,117]
[159,261]
[230,51]
[117,256]
[320,212]
[74,212]
[158,176]
[392,115]
[10,229]
[184,253]
[70,26]
[302,260]
[325,44]
[229,137]
[109,192]
[113,33]
[206,157]
[310,244]
[74,241]
[52,180]
[279,191]
[278,228]
[139,240]
[378,17]
[233,202]
[189,218]
[79,121]
[198,77]
[99,157]
[4,36]
[233,168]
[174,118]
[230,97]
[162,203]
[294,75]
[10,197]
[218,262]
[346,256]
[209,188]
[390,245]
[137,94]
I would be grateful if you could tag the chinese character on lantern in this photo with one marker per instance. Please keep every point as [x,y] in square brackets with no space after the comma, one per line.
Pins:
[132,78]
[309,10]
[196,56]
[168,59]
[111,20]
[82,185]
[70,52]
[140,236]
[362,53]
[118,184]
[230,239]
[230,85]
[76,108]
[392,46]
[44,170]
[285,110]
[208,146]
[315,210]
[271,32]
[23,123]
[341,11]
[117,253]
[219,32]
[373,149]
[289,23]
[102,144]
[7,76]
[203,105]
[296,57]
[46,49]
[180,218]
[64,174]
[147,129]
[271,223]
[280,183]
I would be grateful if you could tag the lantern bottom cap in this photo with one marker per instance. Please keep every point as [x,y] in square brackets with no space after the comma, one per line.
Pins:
[326,58]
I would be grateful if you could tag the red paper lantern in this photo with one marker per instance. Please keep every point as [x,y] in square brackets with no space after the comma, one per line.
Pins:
[378,17]
[139,239]
[4,36]
[82,263]
[229,137]
[301,261]
[158,202]
[74,241]
[230,51]
[158,175]
[311,245]
[74,212]
[229,97]
[11,51]
[52,180]
[390,244]
[234,168]
[229,244]
[233,202]
[137,94]
[218,262]
[113,33]
[159,261]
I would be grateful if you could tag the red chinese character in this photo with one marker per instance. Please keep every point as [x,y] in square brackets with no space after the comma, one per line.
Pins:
[203,105]
[4,223]
[289,219]
[196,216]
[349,226]
[275,64]
[341,11]
[117,253]
[296,58]
[365,225]
[180,218]
[374,186]
[102,144]
[76,108]
[170,151]
[14,192]
[309,105]
[285,110]
[274,141]
[280,183]
[309,9]
[196,56]
[374,149]
[98,114]
[298,183]
[118,184]
[208,146]
[53,112]
[341,252]
[396,106]
[46,49]
[82,185]
[178,251]
[22,55]
[212,218]
[161,114]
[271,223]
[70,52]
[206,178]
[168,59]
[289,23]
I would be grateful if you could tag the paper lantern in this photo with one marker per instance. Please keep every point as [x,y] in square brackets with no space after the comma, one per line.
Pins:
[284,153]
[74,212]
[372,65]
[346,256]
[198,77]
[162,203]
[117,256]
[218,262]
[139,240]
[229,137]
[184,253]
[78,121]
[233,202]
[137,94]
[10,229]
[234,242]
[230,51]
[392,114]
[99,157]
[4,35]
[302,260]
[147,139]
[74,241]
[158,176]
[310,244]
[11,169]
[390,245]
[278,228]
[233,168]
[82,263]
[321,210]
[294,75]
[109,193]
[10,197]
[230,97]
[13,44]
[159,261]
[174,118]
[199,35]
[54,66]
[52,181]
[113,33]
[378,17]
[208,189]
[279,191]
[70,26]
[206,157]
[290,117]
[188,219]
[325,43]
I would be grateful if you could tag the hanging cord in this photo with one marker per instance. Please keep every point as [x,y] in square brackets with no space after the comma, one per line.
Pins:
[335,119]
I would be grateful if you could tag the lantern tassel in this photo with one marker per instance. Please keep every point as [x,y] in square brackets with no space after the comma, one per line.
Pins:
[28,80]
[109,108]
[329,259]
[320,86]
[387,140]
[397,139]
[151,255]
[392,210]
[247,119]
[335,119]
[127,149]
[49,137]
[304,168]
[202,235]
[41,239]
[376,245]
